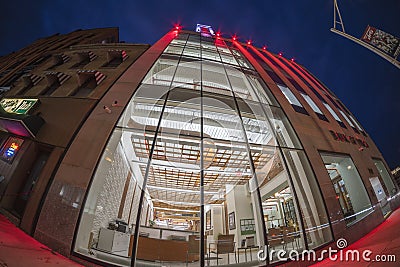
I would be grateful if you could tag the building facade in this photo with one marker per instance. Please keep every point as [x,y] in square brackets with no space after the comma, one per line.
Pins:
[199,150]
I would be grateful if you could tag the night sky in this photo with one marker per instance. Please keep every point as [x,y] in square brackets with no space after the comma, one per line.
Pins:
[367,84]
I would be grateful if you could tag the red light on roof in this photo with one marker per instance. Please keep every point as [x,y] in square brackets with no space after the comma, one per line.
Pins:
[218,34]
[264,47]
[292,60]
[249,42]
[177,27]
[234,38]
[280,54]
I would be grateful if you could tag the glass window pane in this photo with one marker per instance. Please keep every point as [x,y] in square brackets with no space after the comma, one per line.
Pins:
[210,54]
[280,213]
[391,188]
[312,104]
[214,78]
[188,74]
[113,198]
[350,190]
[144,110]
[356,123]
[333,113]
[262,90]
[174,49]
[232,208]
[311,203]
[289,96]
[256,124]
[284,131]
[162,71]
[173,185]
[191,51]
[346,118]
[221,120]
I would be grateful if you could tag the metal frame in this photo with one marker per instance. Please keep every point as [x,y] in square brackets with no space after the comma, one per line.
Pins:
[336,13]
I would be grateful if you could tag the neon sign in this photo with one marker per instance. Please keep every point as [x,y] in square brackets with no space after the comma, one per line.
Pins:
[205,30]
[11,148]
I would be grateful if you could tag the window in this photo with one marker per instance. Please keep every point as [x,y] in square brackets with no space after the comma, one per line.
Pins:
[292,99]
[84,58]
[115,58]
[290,96]
[58,60]
[387,179]
[88,80]
[311,203]
[335,116]
[54,80]
[350,190]
[314,106]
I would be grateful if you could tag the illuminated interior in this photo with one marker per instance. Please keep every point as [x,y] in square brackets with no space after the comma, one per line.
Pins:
[202,151]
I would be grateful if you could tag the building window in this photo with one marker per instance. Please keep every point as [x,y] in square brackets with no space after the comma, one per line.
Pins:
[315,217]
[350,190]
[29,80]
[314,106]
[115,58]
[387,179]
[333,113]
[292,99]
[54,80]
[88,80]
[84,58]
[58,60]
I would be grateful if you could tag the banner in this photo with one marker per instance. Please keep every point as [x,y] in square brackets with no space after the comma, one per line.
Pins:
[382,40]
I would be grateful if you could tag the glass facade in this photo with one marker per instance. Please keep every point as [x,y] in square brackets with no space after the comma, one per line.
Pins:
[203,167]
[350,190]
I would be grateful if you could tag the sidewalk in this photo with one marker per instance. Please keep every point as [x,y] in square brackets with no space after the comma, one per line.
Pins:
[19,249]
[383,240]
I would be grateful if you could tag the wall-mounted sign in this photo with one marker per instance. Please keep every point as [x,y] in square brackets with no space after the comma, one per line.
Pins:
[18,105]
[205,30]
[348,139]
[382,40]
[11,148]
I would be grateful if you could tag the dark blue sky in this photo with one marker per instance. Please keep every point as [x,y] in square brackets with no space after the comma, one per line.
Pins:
[368,85]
